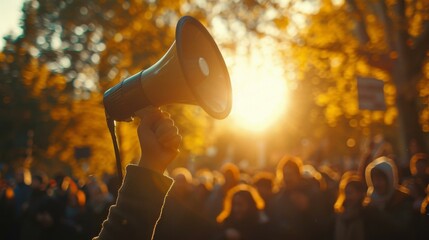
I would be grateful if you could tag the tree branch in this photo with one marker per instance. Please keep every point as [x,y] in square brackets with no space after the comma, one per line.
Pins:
[420,49]
[381,12]
[361,31]
[401,34]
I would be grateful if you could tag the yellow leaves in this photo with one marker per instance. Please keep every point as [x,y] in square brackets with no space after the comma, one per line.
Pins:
[353,123]
[416,13]
[39,78]
[148,15]
[10,58]
[324,99]
[371,18]
[59,113]
[83,124]
[173,4]
[281,23]
[137,25]
[332,113]
[58,82]
[40,82]
[423,88]
[365,120]
[424,116]
[362,68]
[389,94]
[390,115]
[2,57]
[29,72]
[118,37]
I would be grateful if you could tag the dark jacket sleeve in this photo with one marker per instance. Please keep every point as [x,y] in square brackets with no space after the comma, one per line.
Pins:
[138,207]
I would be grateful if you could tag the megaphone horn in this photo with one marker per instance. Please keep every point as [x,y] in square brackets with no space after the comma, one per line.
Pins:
[192,71]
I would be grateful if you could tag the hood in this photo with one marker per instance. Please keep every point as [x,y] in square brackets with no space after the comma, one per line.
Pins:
[413,162]
[388,167]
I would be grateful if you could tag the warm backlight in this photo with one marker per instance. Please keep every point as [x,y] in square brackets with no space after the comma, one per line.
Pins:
[259,92]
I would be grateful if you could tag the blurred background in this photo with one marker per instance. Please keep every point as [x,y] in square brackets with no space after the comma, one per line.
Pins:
[336,83]
[294,66]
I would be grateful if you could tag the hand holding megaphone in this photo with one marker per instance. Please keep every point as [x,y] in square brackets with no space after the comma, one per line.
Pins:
[192,71]
[159,139]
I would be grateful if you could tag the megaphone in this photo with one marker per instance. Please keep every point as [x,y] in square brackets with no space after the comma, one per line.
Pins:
[192,71]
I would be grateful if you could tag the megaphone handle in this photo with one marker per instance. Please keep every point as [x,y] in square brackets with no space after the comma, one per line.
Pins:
[112,129]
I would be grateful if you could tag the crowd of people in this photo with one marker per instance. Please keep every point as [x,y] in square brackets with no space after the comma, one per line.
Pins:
[296,201]
[34,206]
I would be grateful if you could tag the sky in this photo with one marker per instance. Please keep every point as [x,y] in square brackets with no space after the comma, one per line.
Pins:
[10,13]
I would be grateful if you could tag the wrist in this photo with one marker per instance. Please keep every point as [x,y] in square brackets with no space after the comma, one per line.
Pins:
[152,165]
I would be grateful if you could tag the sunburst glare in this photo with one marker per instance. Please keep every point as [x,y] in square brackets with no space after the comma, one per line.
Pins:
[259,90]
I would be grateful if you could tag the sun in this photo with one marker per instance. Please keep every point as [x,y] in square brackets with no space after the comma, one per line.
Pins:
[259,91]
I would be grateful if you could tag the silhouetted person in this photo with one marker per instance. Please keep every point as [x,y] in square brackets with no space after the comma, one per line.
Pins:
[47,223]
[203,186]
[97,206]
[419,168]
[231,176]
[75,210]
[392,205]
[7,209]
[294,212]
[422,220]
[264,183]
[349,210]
[179,219]
[242,216]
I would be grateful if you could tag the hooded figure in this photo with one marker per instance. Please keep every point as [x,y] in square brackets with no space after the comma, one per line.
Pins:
[419,179]
[243,215]
[382,179]
[350,215]
[392,215]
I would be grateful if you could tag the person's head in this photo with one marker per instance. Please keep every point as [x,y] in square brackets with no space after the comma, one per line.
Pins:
[380,182]
[419,164]
[314,177]
[242,202]
[331,176]
[182,180]
[39,182]
[97,193]
[289,171]
[351,192]
[381,177]
[203,183]
[424,206]
[231,174]
[264,183]
[23,176]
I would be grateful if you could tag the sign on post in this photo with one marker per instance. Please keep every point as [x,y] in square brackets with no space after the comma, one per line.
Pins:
[371,94]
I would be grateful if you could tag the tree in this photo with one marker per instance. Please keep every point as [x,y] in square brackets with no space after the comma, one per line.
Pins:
[69,53]
[390,42]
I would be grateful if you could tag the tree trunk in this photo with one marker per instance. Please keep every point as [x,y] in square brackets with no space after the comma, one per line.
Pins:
[410,135]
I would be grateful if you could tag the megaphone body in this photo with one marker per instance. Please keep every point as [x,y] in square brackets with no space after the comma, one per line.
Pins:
[192,71]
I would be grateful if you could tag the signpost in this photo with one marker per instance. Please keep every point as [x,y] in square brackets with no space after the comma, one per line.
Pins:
[371,94]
